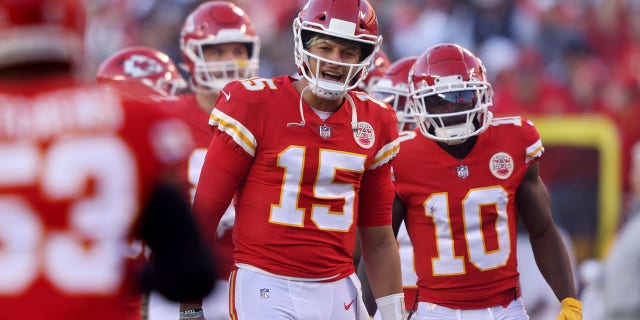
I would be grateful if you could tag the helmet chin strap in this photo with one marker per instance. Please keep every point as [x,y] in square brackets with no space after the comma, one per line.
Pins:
[323,89]
[201,89]
[354,114]
[302,121]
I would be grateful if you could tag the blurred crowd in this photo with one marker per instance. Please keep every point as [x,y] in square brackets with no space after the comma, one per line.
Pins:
[544,57]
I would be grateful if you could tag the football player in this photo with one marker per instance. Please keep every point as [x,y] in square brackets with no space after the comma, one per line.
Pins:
[141,72]
[146,65]
[84,170]
[307,161]
[378,67]
[218,45]
[461,185]
[393,88]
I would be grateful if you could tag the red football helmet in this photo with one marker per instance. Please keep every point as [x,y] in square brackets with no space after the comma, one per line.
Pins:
[147,65]
[450,92]
[393,88]
[213,23]
[352,20]
[35,31]
[377,69]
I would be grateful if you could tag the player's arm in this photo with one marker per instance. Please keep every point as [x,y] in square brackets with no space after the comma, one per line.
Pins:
[378,243]
[399,211]
[548,247]
[181,266]
[223,169]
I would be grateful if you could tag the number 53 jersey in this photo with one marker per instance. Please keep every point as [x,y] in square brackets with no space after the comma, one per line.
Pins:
[461,214]
[77,165]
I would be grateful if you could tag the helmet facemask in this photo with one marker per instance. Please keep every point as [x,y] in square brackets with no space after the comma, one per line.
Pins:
[469,101]
[308,34]
[212,76]
[170,87]
[398,98]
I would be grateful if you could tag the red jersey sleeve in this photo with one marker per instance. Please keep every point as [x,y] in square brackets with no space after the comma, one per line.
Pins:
[376,196]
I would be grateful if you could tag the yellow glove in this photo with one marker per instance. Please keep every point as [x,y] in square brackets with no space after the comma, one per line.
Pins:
[571,309]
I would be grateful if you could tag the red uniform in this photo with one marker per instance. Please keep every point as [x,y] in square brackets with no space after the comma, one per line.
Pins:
[78,165]
[186,107]
[198,120]
[461,214]
[296,205]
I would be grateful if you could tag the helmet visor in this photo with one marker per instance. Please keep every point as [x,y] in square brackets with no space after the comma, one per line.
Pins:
[459,100]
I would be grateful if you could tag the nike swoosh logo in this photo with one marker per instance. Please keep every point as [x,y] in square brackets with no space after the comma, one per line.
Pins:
[226,95]
[348,306]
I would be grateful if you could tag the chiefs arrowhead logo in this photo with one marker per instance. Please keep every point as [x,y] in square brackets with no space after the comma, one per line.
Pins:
[139,66]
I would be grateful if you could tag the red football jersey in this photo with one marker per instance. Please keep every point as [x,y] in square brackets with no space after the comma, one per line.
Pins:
[296,208]
[78,164]
[462,216]
[188,109]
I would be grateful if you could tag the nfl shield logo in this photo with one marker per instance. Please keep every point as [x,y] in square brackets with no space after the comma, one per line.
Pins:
[264,293]
[463,172]
[325,131]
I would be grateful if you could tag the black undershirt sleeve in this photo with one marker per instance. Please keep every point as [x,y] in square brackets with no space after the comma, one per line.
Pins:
[181,264]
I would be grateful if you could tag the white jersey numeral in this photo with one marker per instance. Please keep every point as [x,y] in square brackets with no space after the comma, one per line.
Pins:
[257,84]
[196,160]
[83,252]
[326,186]
[447,263]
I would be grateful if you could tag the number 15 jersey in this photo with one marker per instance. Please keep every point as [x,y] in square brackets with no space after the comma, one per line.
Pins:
[297,205]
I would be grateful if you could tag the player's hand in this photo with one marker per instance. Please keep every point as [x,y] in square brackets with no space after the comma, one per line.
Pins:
[571,309]
[227,221]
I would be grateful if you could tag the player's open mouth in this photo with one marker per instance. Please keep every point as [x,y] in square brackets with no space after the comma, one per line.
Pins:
[332,76]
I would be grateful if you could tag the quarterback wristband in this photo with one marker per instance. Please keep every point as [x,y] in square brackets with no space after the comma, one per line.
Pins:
[392,307]
[191,314]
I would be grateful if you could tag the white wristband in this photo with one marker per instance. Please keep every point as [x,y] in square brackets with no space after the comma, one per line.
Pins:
[392,307]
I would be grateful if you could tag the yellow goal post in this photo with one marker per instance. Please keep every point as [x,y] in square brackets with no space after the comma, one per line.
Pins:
[600,133]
